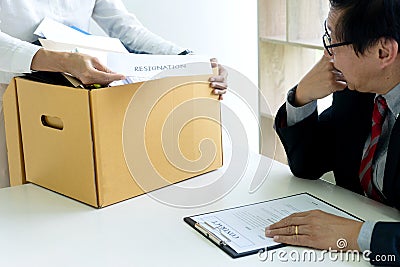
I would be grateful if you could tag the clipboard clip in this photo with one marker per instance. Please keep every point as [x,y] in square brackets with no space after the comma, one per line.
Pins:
[211,235]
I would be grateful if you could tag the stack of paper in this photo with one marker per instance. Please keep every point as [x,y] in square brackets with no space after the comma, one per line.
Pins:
[112,53]
[61,37]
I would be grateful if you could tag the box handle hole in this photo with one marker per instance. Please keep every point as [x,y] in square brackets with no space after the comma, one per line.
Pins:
[52,122]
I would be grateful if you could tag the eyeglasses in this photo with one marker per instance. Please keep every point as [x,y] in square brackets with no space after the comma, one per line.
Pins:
[327,40]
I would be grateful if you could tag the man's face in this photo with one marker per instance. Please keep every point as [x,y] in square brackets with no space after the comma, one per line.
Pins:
[359,71]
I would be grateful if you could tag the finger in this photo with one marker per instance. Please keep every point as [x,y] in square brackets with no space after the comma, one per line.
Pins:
[102,78]
[340,86]
[218,82]
[341,79]
[219,92]
[301,213]
[214,62]
[110,77]
[336,71]
[103,74]
[293,219]
[102,68]
[218,78]
[338,76]
[98,66]
[219,85]
[295,240]
[288,230]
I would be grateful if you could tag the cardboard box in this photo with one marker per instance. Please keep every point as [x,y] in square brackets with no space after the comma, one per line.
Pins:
[106,145]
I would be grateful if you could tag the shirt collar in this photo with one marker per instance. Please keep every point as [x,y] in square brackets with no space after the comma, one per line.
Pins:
[393,100]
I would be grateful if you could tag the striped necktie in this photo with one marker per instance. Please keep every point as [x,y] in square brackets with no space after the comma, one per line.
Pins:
[365,174]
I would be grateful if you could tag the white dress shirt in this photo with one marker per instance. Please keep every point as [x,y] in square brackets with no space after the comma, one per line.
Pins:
[20,18]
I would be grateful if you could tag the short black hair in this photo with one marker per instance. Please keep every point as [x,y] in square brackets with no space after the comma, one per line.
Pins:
[364,22]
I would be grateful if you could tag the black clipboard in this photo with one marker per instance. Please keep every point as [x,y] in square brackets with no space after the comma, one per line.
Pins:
[230,251]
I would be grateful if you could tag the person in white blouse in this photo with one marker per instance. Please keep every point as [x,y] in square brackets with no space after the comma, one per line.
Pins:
[19,19]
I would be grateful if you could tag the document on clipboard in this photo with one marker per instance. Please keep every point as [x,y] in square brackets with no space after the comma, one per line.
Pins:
[240,231]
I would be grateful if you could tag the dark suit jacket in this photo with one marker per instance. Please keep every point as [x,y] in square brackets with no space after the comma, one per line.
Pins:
[334,141]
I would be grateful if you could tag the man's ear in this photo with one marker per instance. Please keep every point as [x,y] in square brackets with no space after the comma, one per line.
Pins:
[388,49]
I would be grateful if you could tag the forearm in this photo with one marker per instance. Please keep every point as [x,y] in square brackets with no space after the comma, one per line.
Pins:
[301,98]
[84,67]
[117,22]
[46,60]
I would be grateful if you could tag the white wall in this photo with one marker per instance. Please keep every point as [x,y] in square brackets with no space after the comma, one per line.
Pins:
[225,29]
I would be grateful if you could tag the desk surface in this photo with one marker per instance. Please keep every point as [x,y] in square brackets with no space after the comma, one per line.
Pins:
[42,228]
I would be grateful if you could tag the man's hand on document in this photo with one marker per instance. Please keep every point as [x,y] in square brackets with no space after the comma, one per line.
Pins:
[316,229]
[86,68]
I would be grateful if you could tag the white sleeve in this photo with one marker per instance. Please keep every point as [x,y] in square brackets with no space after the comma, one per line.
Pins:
[15,57]
[365,235]
[116,21]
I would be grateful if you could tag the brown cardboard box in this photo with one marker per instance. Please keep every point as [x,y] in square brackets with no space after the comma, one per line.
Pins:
[106,145]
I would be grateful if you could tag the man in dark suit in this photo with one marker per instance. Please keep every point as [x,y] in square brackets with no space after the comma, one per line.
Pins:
[358,137]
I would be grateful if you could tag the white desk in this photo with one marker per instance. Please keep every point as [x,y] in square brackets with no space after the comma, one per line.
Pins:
[42,228]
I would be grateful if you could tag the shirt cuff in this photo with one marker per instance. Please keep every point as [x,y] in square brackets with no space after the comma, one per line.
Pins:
[297,114]
[365,235]
[22,58]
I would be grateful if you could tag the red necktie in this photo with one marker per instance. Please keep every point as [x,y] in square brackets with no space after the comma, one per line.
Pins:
[378,117]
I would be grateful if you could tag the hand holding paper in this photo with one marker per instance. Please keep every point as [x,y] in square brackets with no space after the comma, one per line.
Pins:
[84,67]
[99,59]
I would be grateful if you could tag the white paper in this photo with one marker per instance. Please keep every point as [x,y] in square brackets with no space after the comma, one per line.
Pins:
[56,31]
[111,53]
[144,67]
[243,228]
[147,67]
[63,35]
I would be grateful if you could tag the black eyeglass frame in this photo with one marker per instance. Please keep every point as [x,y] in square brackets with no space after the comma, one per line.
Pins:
[328,37]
